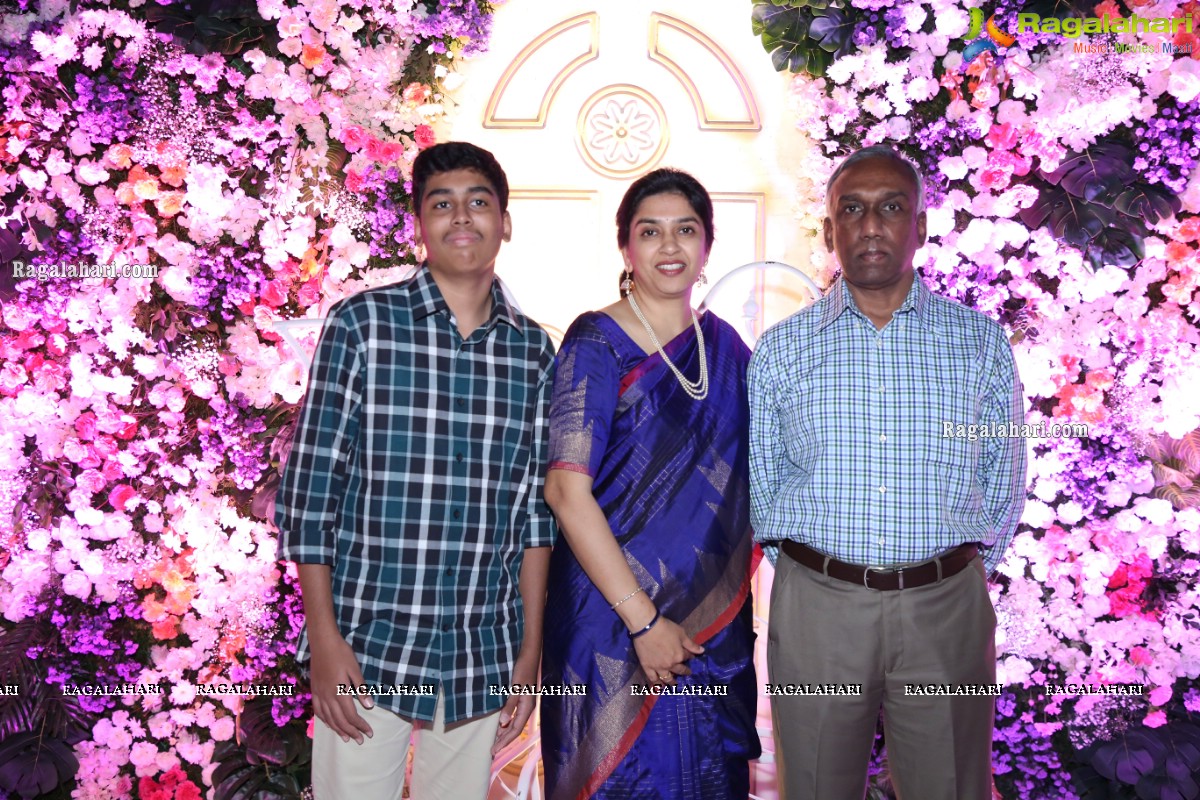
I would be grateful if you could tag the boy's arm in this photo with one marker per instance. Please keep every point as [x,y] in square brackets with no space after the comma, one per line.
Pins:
[514,715]
[306,511]
[333,661]
[537,536]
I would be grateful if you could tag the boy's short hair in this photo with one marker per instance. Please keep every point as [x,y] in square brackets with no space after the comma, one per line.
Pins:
[449,156]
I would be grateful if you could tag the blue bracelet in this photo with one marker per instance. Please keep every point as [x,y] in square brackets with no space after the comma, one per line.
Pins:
[649,625]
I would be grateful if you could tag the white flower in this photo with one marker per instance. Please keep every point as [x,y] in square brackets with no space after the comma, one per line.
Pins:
[914,17]
[876,106]
[76,584]
[844,68]
[954,168]
[1184,82]
[952,22]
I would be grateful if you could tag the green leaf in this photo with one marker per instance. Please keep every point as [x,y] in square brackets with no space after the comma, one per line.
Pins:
[786,35]
[833,30]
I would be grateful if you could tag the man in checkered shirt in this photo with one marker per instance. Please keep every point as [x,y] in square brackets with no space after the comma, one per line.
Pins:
[883,528]
[412,503]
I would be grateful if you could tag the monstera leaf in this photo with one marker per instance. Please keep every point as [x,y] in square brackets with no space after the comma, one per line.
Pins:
[1104,174]
[1151,202]
[1160,763]
[33,764]
[786,35]
[1103,234]
[1098,174]
[269,763]
[213,26]
[833,30]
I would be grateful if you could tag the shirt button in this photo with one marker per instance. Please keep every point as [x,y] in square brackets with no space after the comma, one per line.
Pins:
[450,573]
[882,489]
[878,342]
[445,626]
[458,456]
[880,540]
[460,402]
[882,437]
[456,513]
[882,390]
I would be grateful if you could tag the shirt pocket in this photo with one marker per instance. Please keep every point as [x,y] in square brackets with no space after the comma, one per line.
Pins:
[805,413]
[951,449]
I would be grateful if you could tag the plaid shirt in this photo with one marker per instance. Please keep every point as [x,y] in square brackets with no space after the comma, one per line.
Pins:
[847,446]
[416,473]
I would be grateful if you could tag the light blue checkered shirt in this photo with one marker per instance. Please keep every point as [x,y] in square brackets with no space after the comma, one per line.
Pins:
[847,447]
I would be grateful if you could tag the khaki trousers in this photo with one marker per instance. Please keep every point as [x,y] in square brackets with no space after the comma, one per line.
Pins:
[450,764]
[823,630]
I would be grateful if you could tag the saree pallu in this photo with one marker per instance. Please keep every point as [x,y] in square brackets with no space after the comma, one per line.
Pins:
[671,475]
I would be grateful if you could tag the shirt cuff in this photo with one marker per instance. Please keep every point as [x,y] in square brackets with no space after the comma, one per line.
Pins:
[294,547]
[540,531]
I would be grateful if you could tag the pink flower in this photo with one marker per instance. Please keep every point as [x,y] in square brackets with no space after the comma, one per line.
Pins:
[1140,656]
[74,450]
[50,377]
[424,136]
[112,470]
[354,137]
[57,344]
[120,496]
[91,480]
[1160,695]
[995,179]
[310,293]
[1002,137]
[12,377]
[375,149]
[391,151]
[1155,719]
[85,426]
[274,294]
[353,180]
[104,446]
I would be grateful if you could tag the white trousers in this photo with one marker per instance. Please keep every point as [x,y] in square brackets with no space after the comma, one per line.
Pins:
[447,765]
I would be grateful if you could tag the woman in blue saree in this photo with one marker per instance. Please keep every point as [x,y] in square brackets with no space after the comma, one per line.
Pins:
[649,586]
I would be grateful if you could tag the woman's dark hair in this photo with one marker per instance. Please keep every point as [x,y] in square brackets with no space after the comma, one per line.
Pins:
[451,156]
[665,181]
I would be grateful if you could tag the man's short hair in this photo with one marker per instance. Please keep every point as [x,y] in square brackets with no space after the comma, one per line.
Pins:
[879,151]
[450,156]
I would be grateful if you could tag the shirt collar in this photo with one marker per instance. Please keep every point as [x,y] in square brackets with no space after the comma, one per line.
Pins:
[839,300]
[428,299]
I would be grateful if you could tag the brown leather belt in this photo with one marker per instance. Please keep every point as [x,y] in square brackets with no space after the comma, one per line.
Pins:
[885,579]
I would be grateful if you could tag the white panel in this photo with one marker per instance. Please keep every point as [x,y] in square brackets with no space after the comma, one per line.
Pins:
[554,272]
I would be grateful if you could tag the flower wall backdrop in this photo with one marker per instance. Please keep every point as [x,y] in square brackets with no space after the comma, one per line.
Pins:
[250,158]
[255,157]
[1063,190]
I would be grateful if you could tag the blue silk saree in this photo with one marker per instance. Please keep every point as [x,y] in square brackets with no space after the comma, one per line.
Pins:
[671,475]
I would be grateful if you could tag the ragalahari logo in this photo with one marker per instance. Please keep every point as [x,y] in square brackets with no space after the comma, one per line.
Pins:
[991,38]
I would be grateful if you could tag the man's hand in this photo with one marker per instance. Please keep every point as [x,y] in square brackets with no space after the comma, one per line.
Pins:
[515,714]
[333,663]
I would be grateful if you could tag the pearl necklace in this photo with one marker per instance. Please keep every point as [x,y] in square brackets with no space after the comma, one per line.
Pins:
[697,390]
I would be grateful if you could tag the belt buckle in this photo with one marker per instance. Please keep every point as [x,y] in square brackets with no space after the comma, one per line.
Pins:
[868,570]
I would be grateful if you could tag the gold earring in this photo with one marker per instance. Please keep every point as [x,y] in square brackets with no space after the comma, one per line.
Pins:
[626,282]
